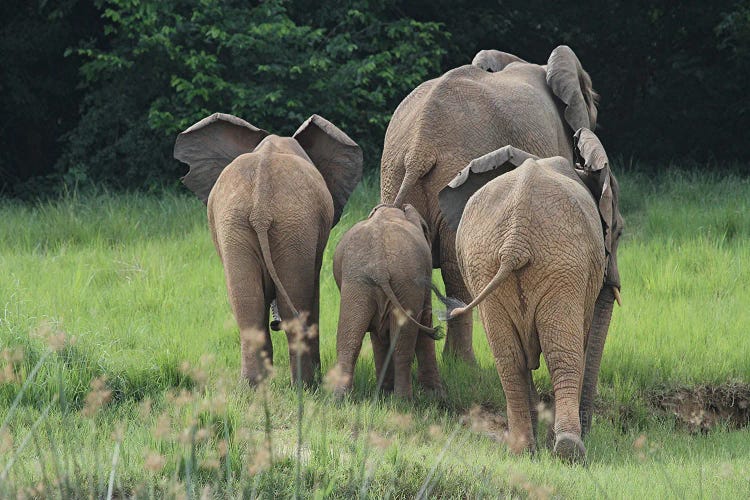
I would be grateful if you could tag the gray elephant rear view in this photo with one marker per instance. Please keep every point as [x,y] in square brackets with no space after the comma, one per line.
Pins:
[470,111]
[382,267]
[271,204]
[537,245]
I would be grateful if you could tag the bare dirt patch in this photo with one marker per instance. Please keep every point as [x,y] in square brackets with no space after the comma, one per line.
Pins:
[703,407]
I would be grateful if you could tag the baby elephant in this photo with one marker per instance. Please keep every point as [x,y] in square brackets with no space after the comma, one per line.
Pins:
[382,266]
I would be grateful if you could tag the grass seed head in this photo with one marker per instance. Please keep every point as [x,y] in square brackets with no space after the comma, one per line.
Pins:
[335,378]
[163,427]
[222,448]
[97,398]
[259,462]
[6,441]
[401,420]
[379,441]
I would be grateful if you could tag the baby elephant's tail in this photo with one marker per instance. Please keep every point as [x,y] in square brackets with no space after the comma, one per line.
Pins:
[433,333]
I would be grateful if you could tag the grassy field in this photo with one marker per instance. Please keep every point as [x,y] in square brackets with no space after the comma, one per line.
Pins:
[116,333]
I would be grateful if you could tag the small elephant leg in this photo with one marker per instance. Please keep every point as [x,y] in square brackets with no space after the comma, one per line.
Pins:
[427,369]
[380,347]
[355,312]
[560,328]
[404,339]
[458,339]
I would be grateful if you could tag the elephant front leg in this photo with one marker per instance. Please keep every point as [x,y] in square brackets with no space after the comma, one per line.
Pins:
[458,339]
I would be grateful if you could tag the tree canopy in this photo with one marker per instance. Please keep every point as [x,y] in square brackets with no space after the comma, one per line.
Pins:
[94,91]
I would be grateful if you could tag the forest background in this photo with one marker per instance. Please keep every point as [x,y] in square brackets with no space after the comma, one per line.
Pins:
[94,92]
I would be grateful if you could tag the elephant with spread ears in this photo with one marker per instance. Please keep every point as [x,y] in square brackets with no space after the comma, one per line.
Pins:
[536,242]
[272,202]
[470,111]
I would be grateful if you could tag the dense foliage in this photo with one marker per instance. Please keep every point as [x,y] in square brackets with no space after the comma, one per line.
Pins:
[95,90]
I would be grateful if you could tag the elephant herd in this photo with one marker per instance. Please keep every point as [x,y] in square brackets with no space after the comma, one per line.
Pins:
[490,172]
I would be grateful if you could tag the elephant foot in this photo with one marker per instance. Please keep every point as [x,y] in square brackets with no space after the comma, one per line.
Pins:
[569,447]
[436,391]
[459,352]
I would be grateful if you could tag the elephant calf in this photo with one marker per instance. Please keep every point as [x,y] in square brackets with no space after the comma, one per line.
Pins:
[537,247]
[382,266]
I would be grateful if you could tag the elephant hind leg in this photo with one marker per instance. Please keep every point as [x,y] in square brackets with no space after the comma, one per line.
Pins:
[380,347]
[428,374]
[560,326]
[355,313]
[248,290]
[458,339]
[511,365]
[403,339]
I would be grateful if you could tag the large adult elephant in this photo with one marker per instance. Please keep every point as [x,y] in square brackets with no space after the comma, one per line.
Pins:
[468,112]
[536,239]
[271,204]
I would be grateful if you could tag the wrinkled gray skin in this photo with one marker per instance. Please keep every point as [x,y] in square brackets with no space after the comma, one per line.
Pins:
[468,112]
[271,204]
[534,250]
[382,266]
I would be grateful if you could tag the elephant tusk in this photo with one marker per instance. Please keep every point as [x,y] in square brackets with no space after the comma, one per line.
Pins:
[617,295]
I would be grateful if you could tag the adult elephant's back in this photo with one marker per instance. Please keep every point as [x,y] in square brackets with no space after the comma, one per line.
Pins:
[464,114]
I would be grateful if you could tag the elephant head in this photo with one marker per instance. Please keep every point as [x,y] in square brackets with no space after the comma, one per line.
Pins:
[214,142]
[494,60]
[572,85]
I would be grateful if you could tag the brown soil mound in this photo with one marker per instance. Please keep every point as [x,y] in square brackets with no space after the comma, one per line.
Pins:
[703,407]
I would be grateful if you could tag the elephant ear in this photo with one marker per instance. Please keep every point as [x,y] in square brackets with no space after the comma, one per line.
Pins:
[494,60]
[413,216]
[597,175]
[453,198]
[212,144]
[335,155]
[572,85]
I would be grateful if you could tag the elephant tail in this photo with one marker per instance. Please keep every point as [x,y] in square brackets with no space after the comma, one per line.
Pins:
[509,262]
[415,166]
[265,251]
[433,333]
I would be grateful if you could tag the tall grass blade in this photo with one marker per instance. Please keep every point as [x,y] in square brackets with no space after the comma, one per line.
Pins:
[25,386]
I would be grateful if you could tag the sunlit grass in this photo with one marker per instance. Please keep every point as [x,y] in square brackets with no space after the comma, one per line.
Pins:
[135,279]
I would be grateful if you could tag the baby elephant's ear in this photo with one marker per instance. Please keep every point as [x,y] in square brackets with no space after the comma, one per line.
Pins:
[212,144]
[453,198]
[335,155]
[413,216]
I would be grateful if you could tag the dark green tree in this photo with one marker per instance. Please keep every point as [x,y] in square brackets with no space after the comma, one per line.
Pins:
[170,63]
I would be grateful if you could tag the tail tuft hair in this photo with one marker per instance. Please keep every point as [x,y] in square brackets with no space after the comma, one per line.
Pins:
[450,304]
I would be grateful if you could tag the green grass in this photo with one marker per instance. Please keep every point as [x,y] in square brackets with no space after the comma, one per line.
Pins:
[135,279]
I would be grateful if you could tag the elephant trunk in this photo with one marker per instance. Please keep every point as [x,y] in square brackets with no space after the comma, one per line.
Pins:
[594,348]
